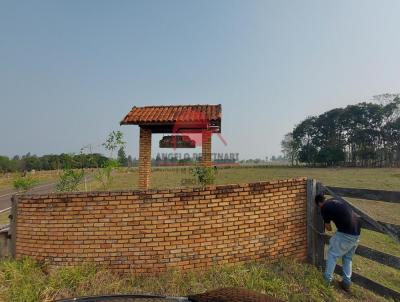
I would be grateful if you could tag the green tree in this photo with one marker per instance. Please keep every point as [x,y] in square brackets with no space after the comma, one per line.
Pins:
[204,175]
[70,180]
[4,164]
[24,183]
[114,141]
[365,133]
[290,148]
[104,174]
[121,157]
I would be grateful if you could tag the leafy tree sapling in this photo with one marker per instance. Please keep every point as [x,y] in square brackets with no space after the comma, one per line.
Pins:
[204,175]
[69,179]
[24,183]
[103,175]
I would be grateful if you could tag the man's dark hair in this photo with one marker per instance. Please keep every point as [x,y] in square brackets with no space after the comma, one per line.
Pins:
[319,198]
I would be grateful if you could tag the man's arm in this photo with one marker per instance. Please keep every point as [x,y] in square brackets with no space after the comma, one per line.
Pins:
[328,226]
[326,217]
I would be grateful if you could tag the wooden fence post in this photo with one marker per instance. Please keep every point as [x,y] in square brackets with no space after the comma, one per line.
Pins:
[315,226]
[13,226]
[311,190]
[320,227]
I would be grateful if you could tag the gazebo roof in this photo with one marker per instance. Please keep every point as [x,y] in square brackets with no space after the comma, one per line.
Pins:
[156,115]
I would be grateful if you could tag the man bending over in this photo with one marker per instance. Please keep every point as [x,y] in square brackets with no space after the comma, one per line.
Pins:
[344,242]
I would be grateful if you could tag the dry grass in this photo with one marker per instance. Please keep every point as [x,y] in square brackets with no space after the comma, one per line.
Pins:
[27,281]
[6,180]
[383,179]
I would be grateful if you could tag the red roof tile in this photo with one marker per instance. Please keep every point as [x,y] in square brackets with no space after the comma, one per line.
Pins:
[170,114]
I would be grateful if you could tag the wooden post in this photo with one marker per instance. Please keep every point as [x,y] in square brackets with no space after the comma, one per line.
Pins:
[311,191]
[315,226]
[320,227]
[13,227]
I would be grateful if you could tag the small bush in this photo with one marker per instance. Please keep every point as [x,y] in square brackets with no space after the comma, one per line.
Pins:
[69,180]
[204,175]
[24,183]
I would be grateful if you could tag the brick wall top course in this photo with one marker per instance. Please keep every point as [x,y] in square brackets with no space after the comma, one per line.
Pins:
[150,192]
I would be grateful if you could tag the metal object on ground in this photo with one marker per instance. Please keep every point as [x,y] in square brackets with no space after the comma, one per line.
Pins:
[126,298]
[232,295]
[218,295]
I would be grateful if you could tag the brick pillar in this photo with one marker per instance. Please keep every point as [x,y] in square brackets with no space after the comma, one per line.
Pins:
[206,148]
[144,158]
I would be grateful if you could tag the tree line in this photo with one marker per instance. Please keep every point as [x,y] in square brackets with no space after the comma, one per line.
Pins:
[365,134]
[30,162]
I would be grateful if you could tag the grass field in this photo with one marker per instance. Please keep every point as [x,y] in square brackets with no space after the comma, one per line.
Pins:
[384,179]
[6,181]
[28,281]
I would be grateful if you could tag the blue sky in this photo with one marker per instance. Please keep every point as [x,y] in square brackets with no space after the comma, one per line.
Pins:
[70,70]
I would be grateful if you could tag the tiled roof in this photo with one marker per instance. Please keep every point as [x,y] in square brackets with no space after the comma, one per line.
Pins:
[172,114]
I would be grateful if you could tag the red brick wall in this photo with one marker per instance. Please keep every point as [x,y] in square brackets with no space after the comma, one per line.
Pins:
[206,137]
[148,231]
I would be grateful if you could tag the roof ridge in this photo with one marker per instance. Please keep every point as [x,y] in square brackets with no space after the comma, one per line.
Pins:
[188,105]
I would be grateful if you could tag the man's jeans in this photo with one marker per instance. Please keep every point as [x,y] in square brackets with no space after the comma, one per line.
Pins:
[341,245]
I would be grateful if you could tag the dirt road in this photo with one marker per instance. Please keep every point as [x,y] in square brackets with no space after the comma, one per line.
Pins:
[5,196]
